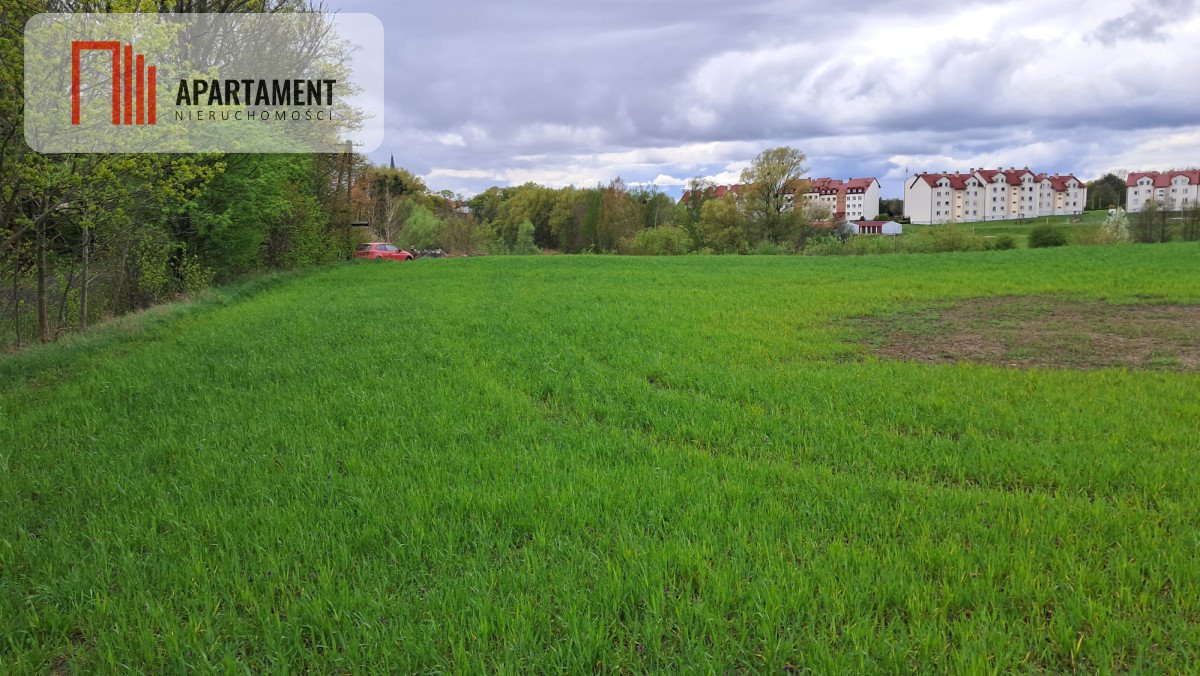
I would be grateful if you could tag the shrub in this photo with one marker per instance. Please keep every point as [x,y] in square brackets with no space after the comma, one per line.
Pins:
[1004,243]
[664,240]
[525,245]
[874,244]
[1116,227]
[1043,236]
[766,248]
[826,245]
[422,230]
[193,275]
[1096,234]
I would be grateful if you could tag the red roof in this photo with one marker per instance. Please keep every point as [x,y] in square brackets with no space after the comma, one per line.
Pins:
[1059,183]
[1162,179]
[958,181]
[826,186]
[1014,176]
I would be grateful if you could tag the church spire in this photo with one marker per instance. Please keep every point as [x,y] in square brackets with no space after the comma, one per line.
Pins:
[392,162]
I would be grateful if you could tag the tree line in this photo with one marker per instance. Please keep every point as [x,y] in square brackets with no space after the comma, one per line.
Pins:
[612,218]
[87,236]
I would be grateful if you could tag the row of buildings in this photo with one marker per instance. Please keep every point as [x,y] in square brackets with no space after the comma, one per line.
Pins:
[991,195]
[1174,190]
[985,194]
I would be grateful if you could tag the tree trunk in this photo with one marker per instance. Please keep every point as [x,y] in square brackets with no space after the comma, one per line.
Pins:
[83,283]
[43,319]
[62,304]
[17,295]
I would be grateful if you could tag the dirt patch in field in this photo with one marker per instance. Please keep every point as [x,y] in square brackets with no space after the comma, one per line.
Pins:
[1028,331]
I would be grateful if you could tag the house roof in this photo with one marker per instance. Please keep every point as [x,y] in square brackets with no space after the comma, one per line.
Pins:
[874,222]
[829,186]
[825,186]
[1014,176]
[958,181]
[1162,179]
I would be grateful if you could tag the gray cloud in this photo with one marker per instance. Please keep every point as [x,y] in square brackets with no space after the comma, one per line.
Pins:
[1148,21]
[484,93]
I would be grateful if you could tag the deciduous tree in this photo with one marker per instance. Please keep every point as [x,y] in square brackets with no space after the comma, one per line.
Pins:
[768,185]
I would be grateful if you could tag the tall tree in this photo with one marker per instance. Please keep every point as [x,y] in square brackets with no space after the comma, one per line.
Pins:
[722,226]
[620,217]
[1106,192]
[768,184]
[1151,222]
[1190,221]
[698,191]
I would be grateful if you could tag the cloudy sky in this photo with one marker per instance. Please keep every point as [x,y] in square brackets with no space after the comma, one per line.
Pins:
[499,92]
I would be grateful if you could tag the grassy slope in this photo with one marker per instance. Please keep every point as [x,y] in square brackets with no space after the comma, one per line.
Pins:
[1020,229]
[577,461]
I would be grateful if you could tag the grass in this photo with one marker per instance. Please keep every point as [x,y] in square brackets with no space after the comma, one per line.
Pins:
[1019,229]
[603,463]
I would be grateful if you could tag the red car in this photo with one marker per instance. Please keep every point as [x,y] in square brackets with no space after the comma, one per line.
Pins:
[382,251]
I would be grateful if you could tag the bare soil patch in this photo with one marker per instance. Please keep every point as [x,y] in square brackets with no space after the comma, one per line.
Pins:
[1029,331]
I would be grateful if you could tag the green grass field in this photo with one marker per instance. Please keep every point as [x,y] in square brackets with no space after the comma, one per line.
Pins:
[1020,229]
[600,463]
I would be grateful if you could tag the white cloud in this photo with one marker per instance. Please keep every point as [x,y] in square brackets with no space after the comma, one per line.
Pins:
[574,93]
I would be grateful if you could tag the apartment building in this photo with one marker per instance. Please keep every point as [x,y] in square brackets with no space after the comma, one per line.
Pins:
[1172,189]
[854,199]
[991,195]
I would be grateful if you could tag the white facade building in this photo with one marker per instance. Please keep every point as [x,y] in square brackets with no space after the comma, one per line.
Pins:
[854,199]
[1174,190]
[991,195]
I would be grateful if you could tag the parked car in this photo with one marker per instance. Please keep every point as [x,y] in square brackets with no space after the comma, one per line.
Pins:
[382,251]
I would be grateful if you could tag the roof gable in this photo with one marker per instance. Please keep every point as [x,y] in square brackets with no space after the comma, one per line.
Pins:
[1162,179]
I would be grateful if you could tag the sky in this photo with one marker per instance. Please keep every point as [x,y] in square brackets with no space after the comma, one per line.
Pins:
[566,92]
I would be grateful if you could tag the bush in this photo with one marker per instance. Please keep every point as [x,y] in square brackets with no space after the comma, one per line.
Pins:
[665,240]
[1043,236]
[1116,228]
[1096,234]
[826,245]
[768,248]
[422,230]
[945,238]
[193,275]
[1004,243]
[525,246]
